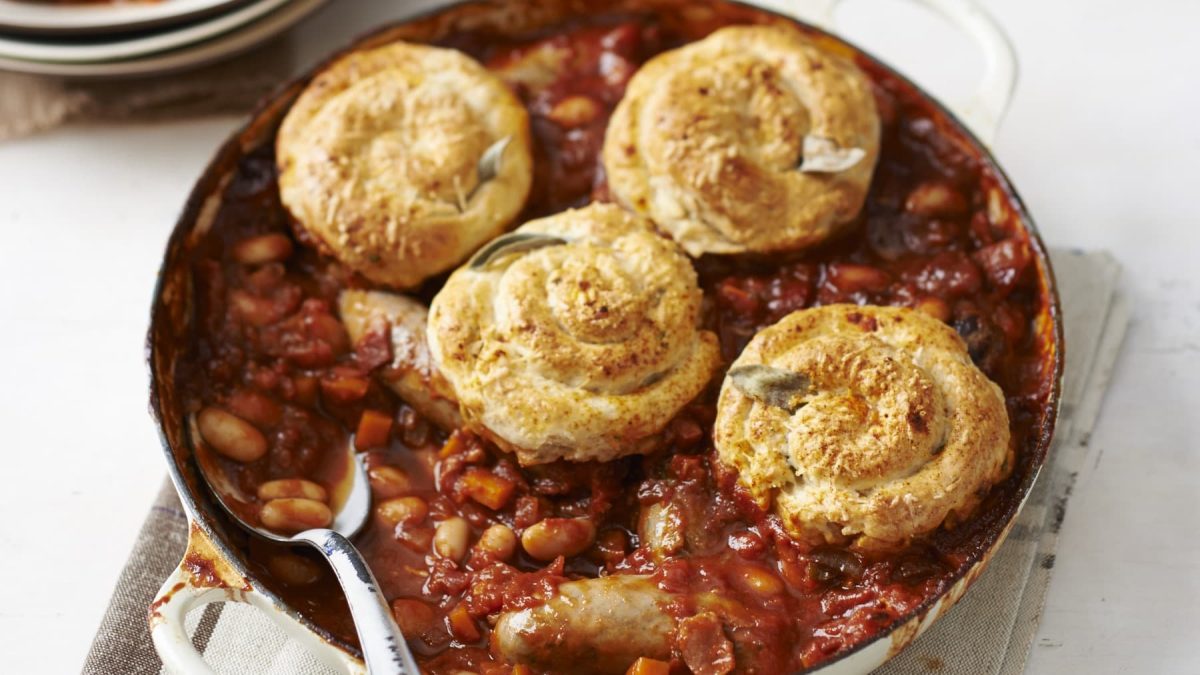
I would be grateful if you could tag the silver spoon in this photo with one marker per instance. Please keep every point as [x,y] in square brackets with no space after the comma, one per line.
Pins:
[384,649]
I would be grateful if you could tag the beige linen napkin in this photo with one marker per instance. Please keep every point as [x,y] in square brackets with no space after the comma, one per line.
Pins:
[992,628]
[989,631]
[33,103]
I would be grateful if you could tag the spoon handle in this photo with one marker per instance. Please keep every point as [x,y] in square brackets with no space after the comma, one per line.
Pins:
[383,645]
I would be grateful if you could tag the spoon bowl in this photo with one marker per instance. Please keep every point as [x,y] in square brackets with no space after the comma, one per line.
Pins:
[384,649]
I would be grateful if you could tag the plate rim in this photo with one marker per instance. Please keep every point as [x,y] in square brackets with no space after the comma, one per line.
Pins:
[34,18]
[140,45]
[231,42]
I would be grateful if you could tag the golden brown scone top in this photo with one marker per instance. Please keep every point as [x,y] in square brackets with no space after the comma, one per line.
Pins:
[583,348]
[709,137]
[379,160]
[895,431]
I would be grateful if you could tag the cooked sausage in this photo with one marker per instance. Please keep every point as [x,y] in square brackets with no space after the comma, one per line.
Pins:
[592,626]
[411,375]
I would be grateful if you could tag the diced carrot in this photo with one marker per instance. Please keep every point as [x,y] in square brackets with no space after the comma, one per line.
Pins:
[462,625]
[645,666]
[453,446]
[374,430]
[486,487]
[343,388]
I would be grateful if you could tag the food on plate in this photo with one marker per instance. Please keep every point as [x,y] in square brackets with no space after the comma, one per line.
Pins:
[575,336]
[753,139]
[401,160]
[862,426]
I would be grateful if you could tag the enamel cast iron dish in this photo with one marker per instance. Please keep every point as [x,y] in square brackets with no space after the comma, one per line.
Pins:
[675,337]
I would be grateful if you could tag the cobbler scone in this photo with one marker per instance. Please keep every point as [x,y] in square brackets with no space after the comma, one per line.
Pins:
[862,425]
[574,337]
[401,160]
[751,140]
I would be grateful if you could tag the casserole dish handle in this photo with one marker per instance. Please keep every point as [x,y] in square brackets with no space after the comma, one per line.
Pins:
[204,577]
[983,109]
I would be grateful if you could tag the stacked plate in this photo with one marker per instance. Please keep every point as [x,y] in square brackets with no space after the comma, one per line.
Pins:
[115,38]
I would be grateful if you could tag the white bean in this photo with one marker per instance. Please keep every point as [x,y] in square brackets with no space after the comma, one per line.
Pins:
[451,538]
[231,435]
[265,248]
[286,488]
[294,515]
[553,537]
[402,511]
[498,542]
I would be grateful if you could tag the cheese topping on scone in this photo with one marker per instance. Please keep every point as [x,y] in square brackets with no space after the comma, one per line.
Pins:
[401,160]
[574,337]
[862,425]
[751,140]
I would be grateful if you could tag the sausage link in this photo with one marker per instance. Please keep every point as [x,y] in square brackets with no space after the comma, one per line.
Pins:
[412,375]
[592,626]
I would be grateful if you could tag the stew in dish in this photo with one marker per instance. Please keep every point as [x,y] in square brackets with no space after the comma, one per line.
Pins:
[489,534]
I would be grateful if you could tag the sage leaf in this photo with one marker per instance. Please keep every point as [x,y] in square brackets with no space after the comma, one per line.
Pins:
[513,242]
[774,386]
[822,155]
[489,164]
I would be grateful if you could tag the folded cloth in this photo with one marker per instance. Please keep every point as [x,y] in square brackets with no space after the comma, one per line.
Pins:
[33,103]
[989,631]
[992,628]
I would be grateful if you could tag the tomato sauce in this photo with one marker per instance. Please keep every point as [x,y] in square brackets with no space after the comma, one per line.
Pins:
[936,234]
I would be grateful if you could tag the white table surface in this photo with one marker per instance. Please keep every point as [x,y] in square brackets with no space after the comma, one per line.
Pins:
[1100,141]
